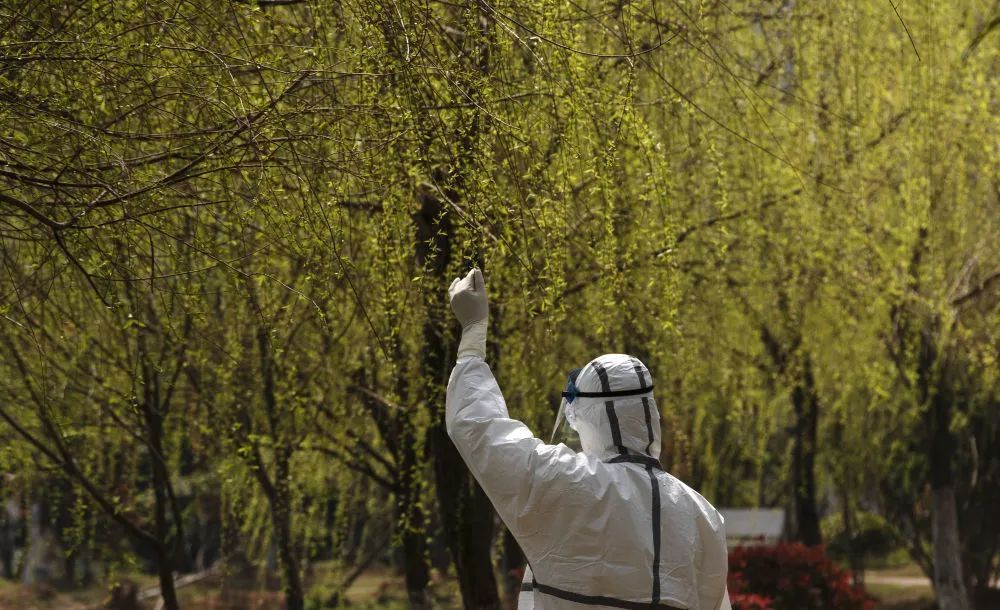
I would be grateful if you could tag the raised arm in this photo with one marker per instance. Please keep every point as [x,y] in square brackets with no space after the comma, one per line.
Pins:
[502,453]
[515,469]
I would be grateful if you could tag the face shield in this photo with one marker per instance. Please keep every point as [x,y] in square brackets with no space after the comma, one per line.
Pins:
[566,414]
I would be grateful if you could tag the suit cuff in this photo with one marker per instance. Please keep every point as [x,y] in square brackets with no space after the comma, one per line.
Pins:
[473,341]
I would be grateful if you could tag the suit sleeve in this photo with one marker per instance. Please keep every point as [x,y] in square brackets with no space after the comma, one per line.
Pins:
[514,468]
[725,603]
[714,565]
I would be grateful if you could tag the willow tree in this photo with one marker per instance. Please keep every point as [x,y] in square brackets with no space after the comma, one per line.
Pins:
[946,280]
[97,392]
[112,171]
[278,193]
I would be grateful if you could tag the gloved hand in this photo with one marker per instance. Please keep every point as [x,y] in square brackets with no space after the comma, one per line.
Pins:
[468,301]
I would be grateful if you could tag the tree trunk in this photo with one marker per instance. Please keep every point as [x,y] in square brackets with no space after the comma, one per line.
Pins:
[512,566]
[165,555]
[281,521]
[41,560]
[165,573]
[153,415]
[949,581]
[7,525]
[949,584]
[292,581]
[466,512]
[281,512]
[855,556]
[467,516]
[415,567]
[276,489]
[410,516]
[980,522]
[806,406]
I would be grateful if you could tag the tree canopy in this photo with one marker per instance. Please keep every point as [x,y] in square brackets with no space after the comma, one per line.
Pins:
[227,231]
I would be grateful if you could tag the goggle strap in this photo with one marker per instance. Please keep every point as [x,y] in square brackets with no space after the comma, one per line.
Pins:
[634,392]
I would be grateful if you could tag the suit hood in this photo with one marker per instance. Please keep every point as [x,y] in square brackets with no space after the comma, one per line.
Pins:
[612,426]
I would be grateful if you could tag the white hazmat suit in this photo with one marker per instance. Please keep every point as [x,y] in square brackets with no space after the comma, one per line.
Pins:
[603,528]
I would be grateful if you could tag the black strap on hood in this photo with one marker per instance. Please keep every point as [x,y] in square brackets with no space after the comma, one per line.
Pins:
[609,407]
[645,402]
[609,394]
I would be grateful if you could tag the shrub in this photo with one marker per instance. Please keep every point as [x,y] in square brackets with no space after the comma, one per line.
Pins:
[791,576]
[873,537]
[750,601]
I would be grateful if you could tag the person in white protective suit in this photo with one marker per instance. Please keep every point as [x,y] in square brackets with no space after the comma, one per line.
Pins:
[603,528]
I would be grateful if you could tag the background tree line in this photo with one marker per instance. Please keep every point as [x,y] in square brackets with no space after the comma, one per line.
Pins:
[227,228]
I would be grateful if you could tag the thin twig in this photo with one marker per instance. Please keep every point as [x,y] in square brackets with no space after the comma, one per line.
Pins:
[906,29]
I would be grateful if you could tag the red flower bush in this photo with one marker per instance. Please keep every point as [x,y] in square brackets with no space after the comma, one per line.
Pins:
[750,601]
[790,576]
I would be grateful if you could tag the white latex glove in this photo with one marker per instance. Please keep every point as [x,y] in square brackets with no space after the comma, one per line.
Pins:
[468,301]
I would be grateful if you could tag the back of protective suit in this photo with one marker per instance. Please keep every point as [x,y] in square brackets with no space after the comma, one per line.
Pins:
[601,528]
